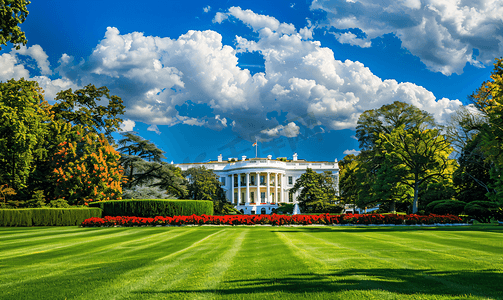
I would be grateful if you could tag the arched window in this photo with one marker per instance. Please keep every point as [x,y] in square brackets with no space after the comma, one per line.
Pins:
[262,211]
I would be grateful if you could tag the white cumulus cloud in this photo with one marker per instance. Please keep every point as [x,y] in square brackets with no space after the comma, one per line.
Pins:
[443,34]
[290,130]
[154,129]
[195,79]
[127,125]
[353,151]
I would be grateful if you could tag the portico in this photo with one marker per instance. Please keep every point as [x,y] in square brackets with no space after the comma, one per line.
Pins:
[257,187]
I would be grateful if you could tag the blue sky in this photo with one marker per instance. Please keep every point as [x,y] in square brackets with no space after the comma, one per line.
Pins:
[200,78]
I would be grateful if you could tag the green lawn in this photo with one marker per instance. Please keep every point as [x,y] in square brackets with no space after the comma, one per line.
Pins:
[251,263]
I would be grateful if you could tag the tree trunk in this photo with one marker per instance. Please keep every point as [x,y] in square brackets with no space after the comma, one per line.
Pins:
[392,208]
[416,196]
[131,177]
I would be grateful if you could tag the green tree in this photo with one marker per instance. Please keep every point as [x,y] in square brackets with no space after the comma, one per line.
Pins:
[472,179]
[388,187]
[421,154]
[141,160]
[463,126]
[317,191]
[386,119]
[82,108]
[348,183]
[370,173]
[169,178]
[12,14]
[489,100]
[203,184]
[23,124]
[136,153]
[31,135]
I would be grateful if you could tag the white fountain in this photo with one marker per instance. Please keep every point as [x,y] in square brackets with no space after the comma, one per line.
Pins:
[296,209]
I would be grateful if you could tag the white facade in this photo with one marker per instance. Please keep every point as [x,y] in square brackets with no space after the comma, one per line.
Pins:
[258,185]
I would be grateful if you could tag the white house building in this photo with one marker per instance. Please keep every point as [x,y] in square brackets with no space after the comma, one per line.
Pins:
[259,185]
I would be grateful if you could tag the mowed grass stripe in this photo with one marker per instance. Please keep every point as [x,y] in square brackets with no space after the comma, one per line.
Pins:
[16,233]
[432,249]
[74,255]
[87,272]
[38,244]
[59,242]
[401,260]
[199,266]
[264,268]
[484,241]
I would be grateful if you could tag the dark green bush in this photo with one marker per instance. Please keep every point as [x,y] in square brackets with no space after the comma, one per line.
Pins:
[47,216]
[428,209]
[498,214]
[444,207]
[481,211]
[285,209]
[149,208]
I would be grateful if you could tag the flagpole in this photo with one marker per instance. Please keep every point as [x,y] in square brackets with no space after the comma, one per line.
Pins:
[256,147]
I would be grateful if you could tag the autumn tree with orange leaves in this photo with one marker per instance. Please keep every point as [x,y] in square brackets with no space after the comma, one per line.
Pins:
[87,169]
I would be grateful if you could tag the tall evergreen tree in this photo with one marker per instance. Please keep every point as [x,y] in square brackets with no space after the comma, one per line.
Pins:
[317,191]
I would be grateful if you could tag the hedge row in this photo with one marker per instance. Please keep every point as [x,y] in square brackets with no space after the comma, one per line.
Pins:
[47,216]
[278,220]
[149,208]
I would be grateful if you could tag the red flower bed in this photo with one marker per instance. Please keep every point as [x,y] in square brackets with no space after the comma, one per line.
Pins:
[276,220]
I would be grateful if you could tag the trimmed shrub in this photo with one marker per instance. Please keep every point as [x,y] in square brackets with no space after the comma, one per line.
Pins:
[444,207]
[149,208]
[481,211]
[15,217]
[47,216]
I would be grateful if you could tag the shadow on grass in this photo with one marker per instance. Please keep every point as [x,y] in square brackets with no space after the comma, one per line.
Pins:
[484,283]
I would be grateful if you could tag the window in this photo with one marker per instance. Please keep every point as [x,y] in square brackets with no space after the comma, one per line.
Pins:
[290,197]
[262,197]
[242,197]
[252,197]
[262,180]
[243,180]
[252,180]
[236,197]
[272,198]
[235,180]
[262,211]
[290,180]
[222,180]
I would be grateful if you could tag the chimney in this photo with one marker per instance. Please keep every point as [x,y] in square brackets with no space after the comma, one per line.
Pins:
[220,158]
[295,157]
[269,157]
[243,158]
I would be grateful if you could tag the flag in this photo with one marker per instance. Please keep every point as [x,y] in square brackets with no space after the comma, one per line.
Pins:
[254,144]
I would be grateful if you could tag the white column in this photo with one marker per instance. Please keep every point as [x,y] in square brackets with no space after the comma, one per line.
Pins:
[239,188]
[257,180]
[283,188]
[232,188]
[277,184]
[247,188]
[267,199]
